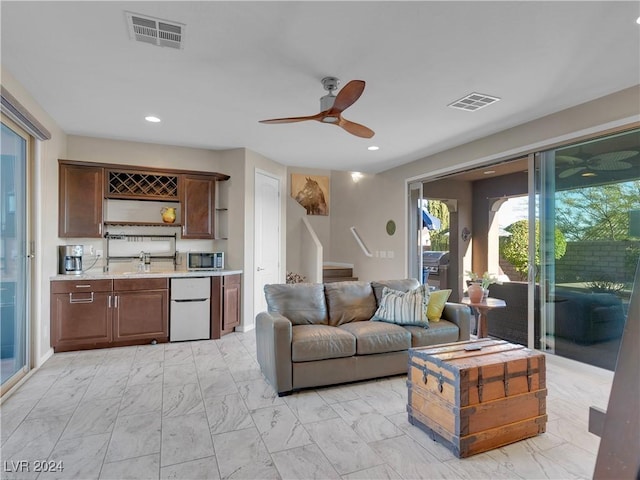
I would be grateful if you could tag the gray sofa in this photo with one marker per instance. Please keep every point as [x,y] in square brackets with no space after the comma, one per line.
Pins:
[322,334]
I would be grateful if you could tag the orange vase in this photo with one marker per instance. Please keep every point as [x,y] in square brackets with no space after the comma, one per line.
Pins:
[476,292]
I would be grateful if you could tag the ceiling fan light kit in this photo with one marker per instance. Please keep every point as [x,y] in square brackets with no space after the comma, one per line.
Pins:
[332,106]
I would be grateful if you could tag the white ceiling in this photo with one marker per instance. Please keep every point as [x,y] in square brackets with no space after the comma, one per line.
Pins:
[247,61]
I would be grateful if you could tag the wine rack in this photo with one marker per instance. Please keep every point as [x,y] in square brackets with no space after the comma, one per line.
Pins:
[141,185]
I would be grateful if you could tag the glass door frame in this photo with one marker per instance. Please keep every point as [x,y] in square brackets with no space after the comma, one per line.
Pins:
[25,255]
[414,238]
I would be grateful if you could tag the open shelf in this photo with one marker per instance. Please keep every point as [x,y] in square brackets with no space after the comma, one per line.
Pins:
[143,224]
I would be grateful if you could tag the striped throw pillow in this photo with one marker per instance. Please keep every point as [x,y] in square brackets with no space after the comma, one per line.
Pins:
[404,308]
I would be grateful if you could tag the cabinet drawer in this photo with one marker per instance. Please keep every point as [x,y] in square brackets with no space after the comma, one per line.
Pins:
[76,286]
[133,284]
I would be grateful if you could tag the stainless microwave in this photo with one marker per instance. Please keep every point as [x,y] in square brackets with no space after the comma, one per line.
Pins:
[205,260]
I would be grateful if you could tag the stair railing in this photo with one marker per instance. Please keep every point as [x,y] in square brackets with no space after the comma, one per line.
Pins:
[311,261]
[363,247]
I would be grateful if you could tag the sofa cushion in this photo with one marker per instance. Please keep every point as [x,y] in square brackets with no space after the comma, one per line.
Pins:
[402,285]
[437,301]
[301,303]
[349,302]
[378,337]
[438,332]
[319,342]
[404,308]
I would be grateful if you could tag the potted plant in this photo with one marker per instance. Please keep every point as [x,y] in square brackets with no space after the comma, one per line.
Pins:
[479,286]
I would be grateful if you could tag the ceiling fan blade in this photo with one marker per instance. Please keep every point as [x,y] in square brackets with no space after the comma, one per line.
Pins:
[347,96]
[317,116]
[614,156]
[356,129]
[571,171]
[609,165]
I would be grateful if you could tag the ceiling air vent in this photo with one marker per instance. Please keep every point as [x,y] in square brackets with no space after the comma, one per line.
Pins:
[155,31]
[473,101]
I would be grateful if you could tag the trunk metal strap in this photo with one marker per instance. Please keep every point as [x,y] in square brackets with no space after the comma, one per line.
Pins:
[506,379]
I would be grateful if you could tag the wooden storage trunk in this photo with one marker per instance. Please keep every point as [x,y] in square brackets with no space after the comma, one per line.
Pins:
[474,400]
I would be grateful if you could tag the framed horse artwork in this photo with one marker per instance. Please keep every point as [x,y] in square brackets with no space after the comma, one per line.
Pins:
[312,192]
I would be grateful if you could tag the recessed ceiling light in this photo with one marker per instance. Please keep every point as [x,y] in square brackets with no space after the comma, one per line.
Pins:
[638,20]
[152,119]
[373,148]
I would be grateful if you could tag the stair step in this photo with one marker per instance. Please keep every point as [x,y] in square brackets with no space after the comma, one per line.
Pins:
[337,272]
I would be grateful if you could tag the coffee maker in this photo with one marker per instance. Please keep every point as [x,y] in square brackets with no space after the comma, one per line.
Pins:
[70,259]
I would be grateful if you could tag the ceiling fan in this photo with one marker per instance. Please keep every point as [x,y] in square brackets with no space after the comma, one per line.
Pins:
[602,162]
[332,106]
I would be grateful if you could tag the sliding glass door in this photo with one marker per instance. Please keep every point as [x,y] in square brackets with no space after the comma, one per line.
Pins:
[589,236]
[14,265]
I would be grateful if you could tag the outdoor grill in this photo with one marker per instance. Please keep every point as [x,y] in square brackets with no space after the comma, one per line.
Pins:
[436,265]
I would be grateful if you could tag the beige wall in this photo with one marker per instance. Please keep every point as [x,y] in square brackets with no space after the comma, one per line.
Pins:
[45,227]
[380,197]
[258,163]
[367,205]
[321,223]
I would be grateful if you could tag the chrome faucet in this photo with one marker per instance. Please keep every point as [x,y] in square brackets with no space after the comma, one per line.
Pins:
[145,262]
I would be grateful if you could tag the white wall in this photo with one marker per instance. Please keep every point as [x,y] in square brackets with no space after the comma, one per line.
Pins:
[45,221]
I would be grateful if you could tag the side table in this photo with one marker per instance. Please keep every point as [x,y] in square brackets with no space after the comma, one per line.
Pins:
[483,308]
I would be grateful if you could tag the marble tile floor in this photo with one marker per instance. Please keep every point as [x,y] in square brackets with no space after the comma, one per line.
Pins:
[202,410]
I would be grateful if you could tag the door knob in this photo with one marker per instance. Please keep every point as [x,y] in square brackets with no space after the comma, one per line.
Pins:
[260,269]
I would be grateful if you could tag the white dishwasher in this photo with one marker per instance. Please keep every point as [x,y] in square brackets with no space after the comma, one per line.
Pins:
[190,309]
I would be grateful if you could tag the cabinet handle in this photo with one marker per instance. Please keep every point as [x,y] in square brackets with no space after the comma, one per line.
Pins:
[100,228]
[109,301]
[80,300]
[115,301]
[83,286]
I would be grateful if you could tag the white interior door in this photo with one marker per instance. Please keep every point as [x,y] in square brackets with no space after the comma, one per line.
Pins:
[267,237]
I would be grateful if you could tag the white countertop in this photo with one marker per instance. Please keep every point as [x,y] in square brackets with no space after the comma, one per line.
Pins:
[161,274]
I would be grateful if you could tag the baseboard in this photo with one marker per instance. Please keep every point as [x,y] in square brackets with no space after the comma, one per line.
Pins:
[246,328]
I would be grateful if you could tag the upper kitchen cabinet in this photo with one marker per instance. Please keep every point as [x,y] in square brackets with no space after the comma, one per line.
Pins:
[130,194]
[198,206]
[80,200]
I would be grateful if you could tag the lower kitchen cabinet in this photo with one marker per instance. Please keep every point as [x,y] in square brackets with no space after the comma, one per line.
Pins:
[225,304]
[81,314]
[141,309]
[103,313]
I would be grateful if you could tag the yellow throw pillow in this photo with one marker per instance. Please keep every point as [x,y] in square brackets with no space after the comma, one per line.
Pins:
[437,299]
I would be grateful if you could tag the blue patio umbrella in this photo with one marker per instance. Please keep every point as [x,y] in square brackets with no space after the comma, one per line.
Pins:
[429,221]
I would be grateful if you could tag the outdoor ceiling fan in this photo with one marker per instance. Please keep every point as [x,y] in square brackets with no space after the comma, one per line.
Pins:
[602,162]
[332,106]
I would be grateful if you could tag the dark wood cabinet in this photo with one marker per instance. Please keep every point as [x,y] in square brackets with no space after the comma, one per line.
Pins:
[80,199]
[103,313]
[83,186]
[225,304]
[81,314]
[141,310]
[198,206]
